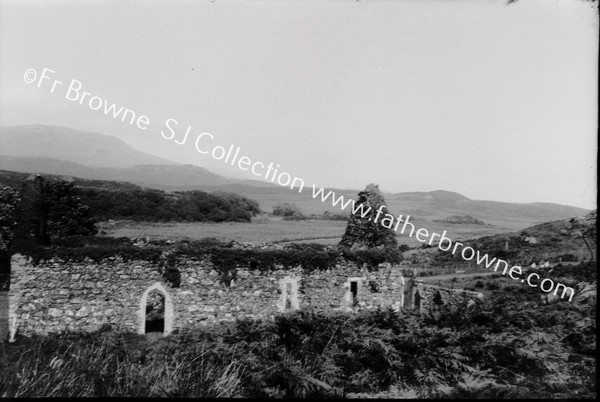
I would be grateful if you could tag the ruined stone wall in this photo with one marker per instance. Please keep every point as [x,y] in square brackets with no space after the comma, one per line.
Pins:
[431,296]
[57,296]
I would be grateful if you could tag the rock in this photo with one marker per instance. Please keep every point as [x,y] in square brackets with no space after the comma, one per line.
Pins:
[54,312]
[83,312]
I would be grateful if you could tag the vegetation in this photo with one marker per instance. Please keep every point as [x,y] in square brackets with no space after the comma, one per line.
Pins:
[333,216]
[48,210]
[8,205]
[36,214]
[156,206]
[226,258]
[288,211]
[259,231]
[505,347]
[115,200]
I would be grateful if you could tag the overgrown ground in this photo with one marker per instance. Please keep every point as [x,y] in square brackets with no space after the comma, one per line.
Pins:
[508,346]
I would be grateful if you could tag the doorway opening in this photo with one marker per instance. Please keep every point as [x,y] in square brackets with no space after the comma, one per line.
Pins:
[155,312]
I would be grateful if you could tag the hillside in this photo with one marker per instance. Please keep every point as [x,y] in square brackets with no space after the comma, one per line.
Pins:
[178,176]
[556,241]
[92,156]
[67,144]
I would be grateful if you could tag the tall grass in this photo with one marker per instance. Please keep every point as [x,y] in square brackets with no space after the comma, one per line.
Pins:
[115,364]
[489,351]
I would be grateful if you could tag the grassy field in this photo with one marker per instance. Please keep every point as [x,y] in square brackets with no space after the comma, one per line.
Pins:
[259,231]
[276,230]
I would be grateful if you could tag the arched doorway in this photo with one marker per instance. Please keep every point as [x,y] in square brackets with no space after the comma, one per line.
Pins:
[156,311]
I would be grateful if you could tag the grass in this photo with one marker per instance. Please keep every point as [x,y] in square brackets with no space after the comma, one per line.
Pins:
[497,350]
[259,231]
[274,230]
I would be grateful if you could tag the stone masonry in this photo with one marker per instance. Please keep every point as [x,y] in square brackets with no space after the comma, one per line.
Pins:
[59,296]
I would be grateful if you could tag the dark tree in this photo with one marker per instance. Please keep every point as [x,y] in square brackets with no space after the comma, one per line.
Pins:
[50,209]
[8,204]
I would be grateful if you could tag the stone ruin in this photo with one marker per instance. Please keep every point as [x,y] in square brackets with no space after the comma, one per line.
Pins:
[362,232]
[56,296]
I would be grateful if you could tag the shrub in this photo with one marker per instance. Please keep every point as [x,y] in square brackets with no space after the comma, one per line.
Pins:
[287,209]
[155,205]
[403,248]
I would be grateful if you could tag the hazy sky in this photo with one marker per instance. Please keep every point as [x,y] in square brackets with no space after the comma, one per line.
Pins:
[492,101]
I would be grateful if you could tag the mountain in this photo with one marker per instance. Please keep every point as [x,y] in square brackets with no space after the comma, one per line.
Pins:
[93,156]
[69,152]
[437,195]
[144,175]
[67,144]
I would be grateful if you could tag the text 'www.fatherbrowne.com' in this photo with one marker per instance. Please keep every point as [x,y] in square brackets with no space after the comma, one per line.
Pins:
[206,144]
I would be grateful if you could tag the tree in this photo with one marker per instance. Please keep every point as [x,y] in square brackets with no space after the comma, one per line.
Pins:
[585,229]
[50,209]
[287,210]
[8,205]
[67,215]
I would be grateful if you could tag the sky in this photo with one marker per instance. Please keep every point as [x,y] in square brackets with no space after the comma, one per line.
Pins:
[494,101]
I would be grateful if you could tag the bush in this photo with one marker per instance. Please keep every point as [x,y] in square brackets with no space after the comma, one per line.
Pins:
[288,211]
[155,205]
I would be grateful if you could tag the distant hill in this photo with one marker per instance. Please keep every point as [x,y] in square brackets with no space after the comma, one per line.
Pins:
[15,179]
[144,175]
[67,144]
[69,152]
[437,195]
[93,156]
[461,220]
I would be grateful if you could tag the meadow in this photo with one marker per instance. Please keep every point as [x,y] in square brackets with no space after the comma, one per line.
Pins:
[263,230]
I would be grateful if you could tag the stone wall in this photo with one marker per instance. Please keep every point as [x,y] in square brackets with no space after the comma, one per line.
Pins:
[430,296]
[57,296]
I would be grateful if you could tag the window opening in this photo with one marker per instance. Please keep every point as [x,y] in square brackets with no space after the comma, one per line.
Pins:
[354,291]
[288,298]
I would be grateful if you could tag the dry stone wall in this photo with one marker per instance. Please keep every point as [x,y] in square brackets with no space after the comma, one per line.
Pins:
[59,296]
